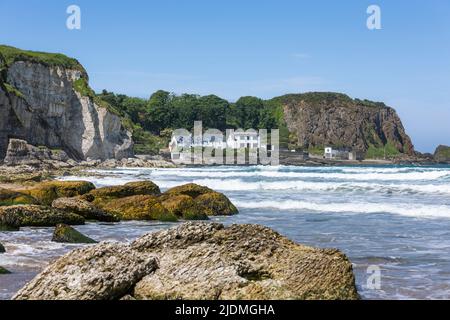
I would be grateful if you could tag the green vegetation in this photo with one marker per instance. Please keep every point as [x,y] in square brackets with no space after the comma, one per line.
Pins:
[11,55]
[442,154]
[12,90]
[387,151]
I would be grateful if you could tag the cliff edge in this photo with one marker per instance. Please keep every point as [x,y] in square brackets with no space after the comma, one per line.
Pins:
[45,99]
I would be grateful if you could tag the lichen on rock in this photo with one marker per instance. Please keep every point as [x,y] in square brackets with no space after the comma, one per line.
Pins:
[11,198]
[47,192]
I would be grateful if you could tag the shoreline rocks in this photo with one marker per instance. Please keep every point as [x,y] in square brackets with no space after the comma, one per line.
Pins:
[47,192]
[2,248]
[15,217]
[198,261]
[66,234]
[84,209]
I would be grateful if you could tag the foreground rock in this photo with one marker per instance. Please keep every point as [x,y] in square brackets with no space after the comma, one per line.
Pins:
[2,248]
[4,271]
[47,192]
[126,190]
[84,209]
[198,261]
[66,234]
[102,272]
[14,217]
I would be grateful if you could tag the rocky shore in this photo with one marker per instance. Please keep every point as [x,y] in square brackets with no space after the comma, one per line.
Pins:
[197,261]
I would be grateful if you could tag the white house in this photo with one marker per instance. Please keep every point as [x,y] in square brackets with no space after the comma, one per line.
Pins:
[342,154]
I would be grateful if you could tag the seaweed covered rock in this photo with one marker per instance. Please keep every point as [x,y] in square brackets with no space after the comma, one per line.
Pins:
[217,204]
[211,202]
[11,198]
[4,271]
[47,192]
[2,248]
[14,217]
[191,189]
[126,190]
[139,207]
[198,261]
[185,207]
[66,234]
[101,272]
[83,208]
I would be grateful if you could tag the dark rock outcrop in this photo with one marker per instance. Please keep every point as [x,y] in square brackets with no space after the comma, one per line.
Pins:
[198,261]
[2,248]
[3,271]
[321,119]
[14,217]
[442,154]
[45,100]
[66,234]
[84,209]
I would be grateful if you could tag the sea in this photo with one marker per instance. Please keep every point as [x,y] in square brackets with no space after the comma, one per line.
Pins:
[393,222]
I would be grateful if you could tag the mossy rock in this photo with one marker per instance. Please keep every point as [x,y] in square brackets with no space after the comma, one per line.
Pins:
[11,198]
[66,234]
[14,217]
[185,207]
[2,248]
[192,190]
[47,192]
[83,208]
[4,271]
[126,190]
[217,204]
[139,207]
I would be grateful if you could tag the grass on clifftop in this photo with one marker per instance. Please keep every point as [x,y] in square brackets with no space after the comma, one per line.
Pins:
[11,55]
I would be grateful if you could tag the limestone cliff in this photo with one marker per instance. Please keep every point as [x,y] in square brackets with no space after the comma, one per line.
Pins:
[320,119]
[45,100]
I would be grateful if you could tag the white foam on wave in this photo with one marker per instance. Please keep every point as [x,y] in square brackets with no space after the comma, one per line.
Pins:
[404,209]
[298,185]
[401,176]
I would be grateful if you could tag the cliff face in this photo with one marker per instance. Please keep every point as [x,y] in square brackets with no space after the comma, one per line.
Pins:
[39,103]
[320,119]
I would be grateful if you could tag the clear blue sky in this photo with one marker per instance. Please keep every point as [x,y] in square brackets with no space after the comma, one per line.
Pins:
[264,48]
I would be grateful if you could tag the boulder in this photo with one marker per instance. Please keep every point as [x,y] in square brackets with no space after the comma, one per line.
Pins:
[66,234]
[14,217]
[83,208]
[208,201]
[126,190]
[217,204]
[19,152]
[10,198]
[198,261]
[185,207]
[139,207]
[191,189]
[101,272]
[4,271]
[2,248]
[47,192]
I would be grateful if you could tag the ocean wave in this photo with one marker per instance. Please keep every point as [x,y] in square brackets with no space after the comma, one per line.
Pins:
[400,176]
[405,209]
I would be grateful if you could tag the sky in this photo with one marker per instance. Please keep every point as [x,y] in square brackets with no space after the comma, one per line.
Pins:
[262,48]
